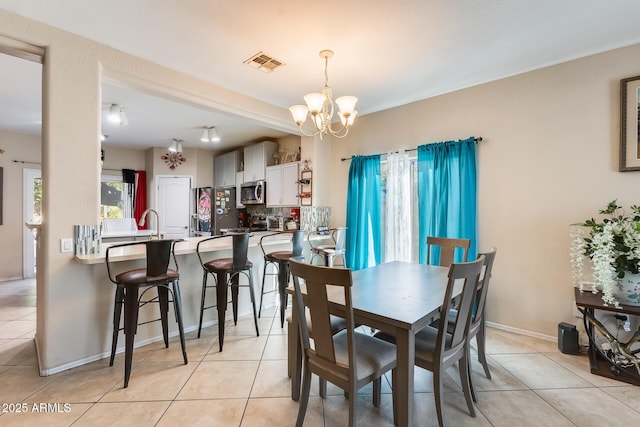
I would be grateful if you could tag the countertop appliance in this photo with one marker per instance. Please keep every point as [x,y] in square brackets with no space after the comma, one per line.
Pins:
[258,223]
[275,223]
[253,193]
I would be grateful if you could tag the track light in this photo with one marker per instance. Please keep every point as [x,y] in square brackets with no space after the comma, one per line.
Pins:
[175,146]
[117,116]
[209,134]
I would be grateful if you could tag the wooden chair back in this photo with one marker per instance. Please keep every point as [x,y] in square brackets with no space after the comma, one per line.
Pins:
[451,349]
[317,280]
[442,250]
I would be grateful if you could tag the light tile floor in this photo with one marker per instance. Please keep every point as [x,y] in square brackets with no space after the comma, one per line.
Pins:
[533,384]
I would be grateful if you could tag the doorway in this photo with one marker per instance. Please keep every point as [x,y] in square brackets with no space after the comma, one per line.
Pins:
[32,214]
[173,205]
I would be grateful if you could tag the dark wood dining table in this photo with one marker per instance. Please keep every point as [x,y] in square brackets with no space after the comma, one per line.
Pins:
[400,298]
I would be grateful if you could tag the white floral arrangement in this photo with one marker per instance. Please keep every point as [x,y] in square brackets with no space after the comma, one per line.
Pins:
[613,245]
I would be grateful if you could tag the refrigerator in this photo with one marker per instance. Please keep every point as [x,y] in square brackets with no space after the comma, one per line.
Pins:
[225,213]
[201,212]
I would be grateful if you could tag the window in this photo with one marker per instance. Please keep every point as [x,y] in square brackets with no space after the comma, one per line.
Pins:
[409,230]
[111,197]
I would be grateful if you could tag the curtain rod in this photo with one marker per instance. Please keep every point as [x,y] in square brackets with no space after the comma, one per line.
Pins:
[478,139]
[26,161]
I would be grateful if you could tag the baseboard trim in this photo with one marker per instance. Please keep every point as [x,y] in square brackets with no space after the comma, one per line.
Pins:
[521,331]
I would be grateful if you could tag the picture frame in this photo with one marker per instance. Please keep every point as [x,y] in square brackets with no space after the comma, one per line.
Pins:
[290,157]
[630,124]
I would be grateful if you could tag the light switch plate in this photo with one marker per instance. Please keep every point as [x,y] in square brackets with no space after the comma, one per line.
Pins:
[66,245]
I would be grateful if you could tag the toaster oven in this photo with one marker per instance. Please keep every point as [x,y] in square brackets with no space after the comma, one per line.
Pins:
[275,223]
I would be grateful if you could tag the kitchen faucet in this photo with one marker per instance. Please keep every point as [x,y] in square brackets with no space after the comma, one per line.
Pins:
[144,216]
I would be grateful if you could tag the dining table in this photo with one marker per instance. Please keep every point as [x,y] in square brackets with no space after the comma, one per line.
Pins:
[399,298]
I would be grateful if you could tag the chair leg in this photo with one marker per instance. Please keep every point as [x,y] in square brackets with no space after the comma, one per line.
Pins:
[480,341]
[221,302]
[283,279]
[130,329]
[377,386]
[253,302]
[353,398]
[437,391]
[204,293]
[264,275]
[304,400]
[463,366]
[163,300]
[235,281]
[117,312]
[177,308]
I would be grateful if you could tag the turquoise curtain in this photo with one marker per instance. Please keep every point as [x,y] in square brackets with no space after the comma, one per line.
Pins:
[447,194]
[363,212]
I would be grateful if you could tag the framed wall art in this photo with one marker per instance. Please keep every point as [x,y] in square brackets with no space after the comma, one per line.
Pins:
[630,124]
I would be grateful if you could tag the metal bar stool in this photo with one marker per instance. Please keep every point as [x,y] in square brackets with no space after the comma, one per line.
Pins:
[331,251]
[157,275]
[227,271]
[280,259]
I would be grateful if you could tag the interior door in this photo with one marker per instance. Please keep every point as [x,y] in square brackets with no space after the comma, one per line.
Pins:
[32,213]
[173,206]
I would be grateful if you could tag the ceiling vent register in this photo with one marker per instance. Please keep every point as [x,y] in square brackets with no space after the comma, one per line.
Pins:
[264,62]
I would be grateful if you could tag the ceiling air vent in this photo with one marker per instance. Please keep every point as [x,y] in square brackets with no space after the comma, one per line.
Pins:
[264,62]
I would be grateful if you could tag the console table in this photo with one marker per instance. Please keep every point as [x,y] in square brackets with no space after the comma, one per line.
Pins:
[590,302]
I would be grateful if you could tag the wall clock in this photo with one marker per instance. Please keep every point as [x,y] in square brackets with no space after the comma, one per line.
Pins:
[173,159]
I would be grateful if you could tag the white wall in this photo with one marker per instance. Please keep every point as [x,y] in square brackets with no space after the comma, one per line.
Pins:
[549,159]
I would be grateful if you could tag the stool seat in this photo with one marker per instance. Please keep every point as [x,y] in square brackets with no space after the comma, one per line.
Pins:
[223,265]
[279,256]
[139,276]
[326,249]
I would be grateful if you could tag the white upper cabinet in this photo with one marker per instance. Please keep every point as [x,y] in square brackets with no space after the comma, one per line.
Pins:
[282,185]
[225,167]
[256,158]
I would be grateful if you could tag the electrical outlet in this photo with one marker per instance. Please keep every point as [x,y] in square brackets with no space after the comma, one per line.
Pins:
[66,245]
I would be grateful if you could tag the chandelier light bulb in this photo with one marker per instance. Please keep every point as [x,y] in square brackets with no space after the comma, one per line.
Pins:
[299,113]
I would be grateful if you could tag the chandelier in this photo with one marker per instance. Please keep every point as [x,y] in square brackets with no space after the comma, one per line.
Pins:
[321,107]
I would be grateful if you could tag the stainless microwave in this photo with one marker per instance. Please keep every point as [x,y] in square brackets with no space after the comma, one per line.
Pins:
[253,193]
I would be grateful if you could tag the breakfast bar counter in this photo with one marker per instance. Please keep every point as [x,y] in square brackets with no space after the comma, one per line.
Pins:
[97,307]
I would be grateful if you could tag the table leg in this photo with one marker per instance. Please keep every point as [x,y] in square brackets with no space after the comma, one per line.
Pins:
[221,302]
[405,353]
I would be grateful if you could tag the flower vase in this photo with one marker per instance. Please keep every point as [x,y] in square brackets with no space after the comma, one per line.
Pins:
[627,289]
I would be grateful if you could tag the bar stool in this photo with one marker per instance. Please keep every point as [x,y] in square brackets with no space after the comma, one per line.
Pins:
[226,271]
[331,251]
[157,275]
[280,259]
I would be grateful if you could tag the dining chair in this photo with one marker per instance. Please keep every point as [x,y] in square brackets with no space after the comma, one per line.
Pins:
[348,359]
[438,348]
[294,352]
[280,259]
[477,322]
[227,271]
[442,250]
[158,275]
[329,252]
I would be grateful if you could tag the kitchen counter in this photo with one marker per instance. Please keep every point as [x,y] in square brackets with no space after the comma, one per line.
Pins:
[184,247]
[96,291]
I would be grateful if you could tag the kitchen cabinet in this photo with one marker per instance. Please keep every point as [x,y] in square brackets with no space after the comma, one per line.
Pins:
[282,185]
[256,158]
[225,167]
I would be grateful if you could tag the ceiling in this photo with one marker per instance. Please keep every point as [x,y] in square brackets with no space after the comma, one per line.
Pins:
[388,55]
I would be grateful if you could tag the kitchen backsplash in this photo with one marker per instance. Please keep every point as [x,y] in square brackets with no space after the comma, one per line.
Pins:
[310,216]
